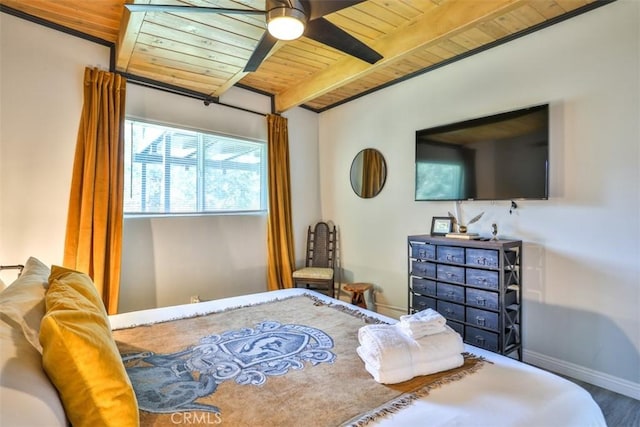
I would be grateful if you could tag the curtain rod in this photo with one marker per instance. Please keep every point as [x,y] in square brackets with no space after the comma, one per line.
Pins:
[207,99]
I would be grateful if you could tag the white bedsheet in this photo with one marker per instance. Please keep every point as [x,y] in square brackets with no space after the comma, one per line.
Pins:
[503,393]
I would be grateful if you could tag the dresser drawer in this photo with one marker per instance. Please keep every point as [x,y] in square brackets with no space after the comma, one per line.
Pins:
[424,269]
[450,254]
[482,257]
[482,299]
[450,273]
[482,318]
[423,251]
[488,299]
[484,278]
[423,286]
[450,292]
[488,257]
[479,338]
[420,302]
[451,310]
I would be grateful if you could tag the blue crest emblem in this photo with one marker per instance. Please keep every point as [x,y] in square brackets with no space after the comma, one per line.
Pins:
[164,383]
[264,347]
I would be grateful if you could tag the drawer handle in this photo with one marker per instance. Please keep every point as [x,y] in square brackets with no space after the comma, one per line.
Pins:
[480,320]
[452,276]
[480,301]
[479,339]
[448,311]
[422,253]
[484,261]
[481,281]
[451,294]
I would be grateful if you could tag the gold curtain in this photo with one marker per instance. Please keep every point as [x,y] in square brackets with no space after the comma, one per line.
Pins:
[372,173]
[93,242]
[280,260]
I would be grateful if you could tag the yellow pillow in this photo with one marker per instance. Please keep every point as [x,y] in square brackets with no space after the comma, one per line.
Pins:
[80,356]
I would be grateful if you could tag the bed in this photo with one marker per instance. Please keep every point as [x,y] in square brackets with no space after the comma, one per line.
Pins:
[494,390]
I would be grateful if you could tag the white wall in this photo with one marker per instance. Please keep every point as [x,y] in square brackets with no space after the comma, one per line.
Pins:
[165,260]
[41,77]
[581,256]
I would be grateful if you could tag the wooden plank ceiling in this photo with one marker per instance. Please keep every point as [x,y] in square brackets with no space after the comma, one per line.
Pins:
[206,52]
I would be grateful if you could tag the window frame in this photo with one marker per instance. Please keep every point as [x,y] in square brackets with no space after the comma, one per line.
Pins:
[200,191]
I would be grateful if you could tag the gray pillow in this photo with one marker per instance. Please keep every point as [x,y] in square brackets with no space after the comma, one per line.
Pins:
[22,302]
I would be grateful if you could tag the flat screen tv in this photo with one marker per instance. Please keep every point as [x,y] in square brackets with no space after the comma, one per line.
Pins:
[499,157]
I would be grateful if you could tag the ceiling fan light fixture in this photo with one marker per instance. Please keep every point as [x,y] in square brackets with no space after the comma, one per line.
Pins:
[285,23]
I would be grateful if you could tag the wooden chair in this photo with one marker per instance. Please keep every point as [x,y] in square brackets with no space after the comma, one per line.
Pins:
[318,272]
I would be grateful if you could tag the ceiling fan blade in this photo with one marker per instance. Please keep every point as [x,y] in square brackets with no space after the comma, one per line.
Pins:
[261,51]
[325,32]
[319,8]
[189,9]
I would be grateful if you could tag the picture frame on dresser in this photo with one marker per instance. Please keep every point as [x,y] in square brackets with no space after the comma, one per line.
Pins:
[441,225]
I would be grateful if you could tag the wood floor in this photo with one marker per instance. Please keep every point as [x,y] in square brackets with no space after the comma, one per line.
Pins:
[618,410]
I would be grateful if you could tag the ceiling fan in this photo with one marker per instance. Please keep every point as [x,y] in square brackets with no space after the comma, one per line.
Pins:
[287,20]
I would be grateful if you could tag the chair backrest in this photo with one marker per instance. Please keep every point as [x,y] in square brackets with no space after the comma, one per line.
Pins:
[321,241]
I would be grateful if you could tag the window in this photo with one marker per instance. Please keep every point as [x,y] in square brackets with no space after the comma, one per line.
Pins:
[179,171]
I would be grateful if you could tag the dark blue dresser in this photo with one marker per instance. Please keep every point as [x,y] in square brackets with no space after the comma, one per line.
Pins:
[476,285]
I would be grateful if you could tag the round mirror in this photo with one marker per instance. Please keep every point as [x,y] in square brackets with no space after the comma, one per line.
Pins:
[368,173]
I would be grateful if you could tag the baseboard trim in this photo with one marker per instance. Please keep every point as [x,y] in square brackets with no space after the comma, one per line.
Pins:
[385,309]
[390,310]
[615,384]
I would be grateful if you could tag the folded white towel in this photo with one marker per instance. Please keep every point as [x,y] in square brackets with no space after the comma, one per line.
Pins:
[437,346]
[425,322]
[388,348]
[428,315]
[386,345]
[400,374]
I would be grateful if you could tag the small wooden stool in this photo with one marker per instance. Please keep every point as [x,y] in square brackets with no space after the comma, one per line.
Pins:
[358,290]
